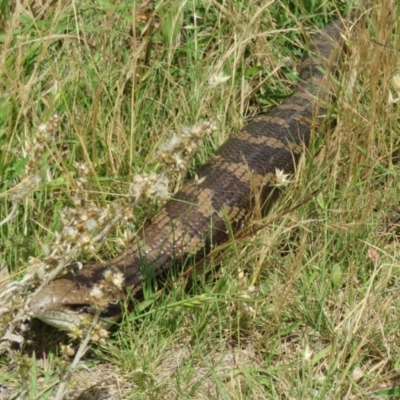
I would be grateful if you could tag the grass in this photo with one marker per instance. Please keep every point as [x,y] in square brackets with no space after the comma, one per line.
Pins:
[306,308]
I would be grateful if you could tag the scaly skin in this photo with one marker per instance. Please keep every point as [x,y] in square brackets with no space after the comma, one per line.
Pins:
[203,212]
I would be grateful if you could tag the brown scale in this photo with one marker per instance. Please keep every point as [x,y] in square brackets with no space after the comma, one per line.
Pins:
[202,213]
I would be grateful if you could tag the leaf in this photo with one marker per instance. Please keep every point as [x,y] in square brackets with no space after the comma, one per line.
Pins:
[321,202]
[388,392]
[253,70]
[173,22]
[336,276]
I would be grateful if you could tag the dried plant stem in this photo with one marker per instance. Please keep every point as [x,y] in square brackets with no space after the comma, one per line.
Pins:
[13,213]
[83,347]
